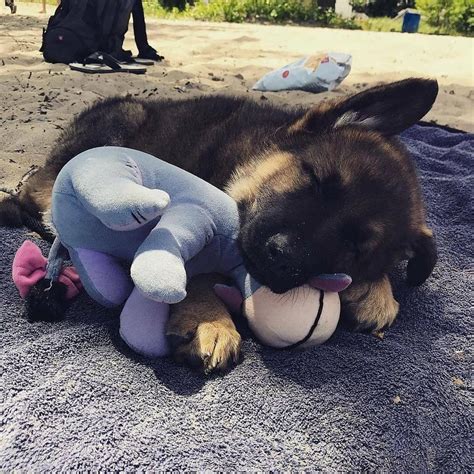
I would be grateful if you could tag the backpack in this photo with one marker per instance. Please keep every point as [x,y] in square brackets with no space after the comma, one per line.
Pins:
[79,28]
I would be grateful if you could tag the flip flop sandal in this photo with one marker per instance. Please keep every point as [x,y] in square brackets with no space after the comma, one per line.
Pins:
[137,60]
[103,63]
[126,57]
[143,62]
[150,53]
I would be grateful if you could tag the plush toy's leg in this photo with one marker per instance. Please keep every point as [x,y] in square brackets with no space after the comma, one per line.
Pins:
[110,188]
[142,325]
[158,269]
[104,279]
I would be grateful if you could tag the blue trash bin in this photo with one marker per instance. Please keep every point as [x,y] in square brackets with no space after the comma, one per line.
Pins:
[411,22]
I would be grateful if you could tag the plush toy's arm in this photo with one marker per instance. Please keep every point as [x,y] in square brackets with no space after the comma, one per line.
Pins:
[109,185]
[158,269]
[246,284]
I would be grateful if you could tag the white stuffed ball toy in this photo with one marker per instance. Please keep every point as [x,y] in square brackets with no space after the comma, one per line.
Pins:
[285,321]
[304,317]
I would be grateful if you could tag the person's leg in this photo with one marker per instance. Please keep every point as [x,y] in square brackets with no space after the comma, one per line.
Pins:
[139,27]
[11,5]
[43,10]
[145,51]
[116,34]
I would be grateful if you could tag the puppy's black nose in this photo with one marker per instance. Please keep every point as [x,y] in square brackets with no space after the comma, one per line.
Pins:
[279,252]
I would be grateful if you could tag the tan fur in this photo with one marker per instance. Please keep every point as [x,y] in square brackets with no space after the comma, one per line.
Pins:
[275,170]
[427,232]
[42,195]
[371,303]
[214,341]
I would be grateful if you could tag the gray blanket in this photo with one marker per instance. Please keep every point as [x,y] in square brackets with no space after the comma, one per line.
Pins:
[73,397]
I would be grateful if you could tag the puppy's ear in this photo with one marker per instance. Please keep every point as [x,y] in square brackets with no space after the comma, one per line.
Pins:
[424,258]
[388,109]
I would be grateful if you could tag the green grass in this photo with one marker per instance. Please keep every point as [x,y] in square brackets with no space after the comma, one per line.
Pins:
[49,2]
[277,11]
[261,11]
[282,11]
[389,24]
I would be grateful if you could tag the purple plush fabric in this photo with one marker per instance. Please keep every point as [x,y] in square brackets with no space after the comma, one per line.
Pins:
[107,280]
[143,323]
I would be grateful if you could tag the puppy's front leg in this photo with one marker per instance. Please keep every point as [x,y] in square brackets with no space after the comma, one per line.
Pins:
[200,330]
[369,306]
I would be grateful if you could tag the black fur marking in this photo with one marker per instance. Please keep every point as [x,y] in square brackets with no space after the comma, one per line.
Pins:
[46,301]
[419,267]
[36,225]
[10,212]
[13,215]
[389,109]
[176,340]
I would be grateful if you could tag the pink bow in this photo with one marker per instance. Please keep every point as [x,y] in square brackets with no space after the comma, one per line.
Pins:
[29,267]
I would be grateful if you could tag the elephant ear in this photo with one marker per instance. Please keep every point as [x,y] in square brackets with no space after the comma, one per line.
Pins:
[230,296]
[29,267]
[71,280]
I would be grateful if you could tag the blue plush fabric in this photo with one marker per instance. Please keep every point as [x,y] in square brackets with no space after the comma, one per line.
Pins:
[134,207]
[74,397]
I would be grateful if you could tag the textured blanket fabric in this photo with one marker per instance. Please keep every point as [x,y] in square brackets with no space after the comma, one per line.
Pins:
[73,397]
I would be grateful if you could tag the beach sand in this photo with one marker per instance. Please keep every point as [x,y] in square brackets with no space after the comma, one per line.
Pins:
[37,99]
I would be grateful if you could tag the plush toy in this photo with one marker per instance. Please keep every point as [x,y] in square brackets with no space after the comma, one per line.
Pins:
[302,318]
[136,228]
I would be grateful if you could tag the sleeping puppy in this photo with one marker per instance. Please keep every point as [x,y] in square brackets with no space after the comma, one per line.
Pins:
[324,190]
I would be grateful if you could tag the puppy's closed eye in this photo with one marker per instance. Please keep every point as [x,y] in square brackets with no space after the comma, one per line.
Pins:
[313,178]
[329,187]
[359,240]
[332,187]
[351,245]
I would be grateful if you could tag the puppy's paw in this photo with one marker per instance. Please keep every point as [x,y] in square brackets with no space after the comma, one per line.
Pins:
[369,307]
[212,346]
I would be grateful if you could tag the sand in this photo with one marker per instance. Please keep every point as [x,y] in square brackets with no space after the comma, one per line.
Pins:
[37,99]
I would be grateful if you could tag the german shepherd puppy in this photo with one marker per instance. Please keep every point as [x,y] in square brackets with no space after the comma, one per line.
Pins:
[324,190]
